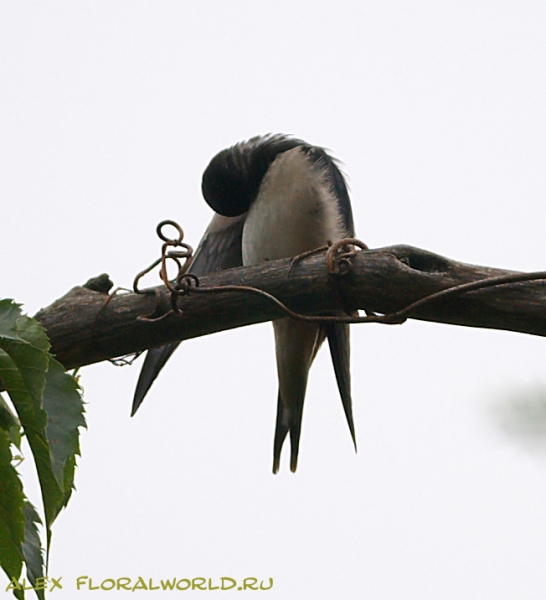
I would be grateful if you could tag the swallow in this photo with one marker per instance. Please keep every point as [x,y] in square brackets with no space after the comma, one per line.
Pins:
[273,197]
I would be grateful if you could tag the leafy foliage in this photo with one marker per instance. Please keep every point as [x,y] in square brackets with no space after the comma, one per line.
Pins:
[32,547]
[49,411]
[12,519]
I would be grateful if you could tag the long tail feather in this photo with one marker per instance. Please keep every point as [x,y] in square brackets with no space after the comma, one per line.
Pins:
[288,421]
[339,342]
[281,430]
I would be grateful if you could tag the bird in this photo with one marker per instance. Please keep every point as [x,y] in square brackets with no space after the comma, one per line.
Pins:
[274,196]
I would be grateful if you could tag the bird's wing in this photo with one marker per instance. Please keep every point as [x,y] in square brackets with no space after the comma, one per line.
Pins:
[220,248]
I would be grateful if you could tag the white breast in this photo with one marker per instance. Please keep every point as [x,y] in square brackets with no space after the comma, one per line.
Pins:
[295,211]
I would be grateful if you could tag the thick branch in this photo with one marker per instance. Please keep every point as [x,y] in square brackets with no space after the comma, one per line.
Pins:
[382,280]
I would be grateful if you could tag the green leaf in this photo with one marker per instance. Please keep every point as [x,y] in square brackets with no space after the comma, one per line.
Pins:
[50,410]
[34,421]
[24,362]
[26,343]
[12,520]
[65,413]
[32,547]
[34,381]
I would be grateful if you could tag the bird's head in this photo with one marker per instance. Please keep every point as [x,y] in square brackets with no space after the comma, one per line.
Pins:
[232,179]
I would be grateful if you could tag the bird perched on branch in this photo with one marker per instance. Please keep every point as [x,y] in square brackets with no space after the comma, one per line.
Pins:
[274,197]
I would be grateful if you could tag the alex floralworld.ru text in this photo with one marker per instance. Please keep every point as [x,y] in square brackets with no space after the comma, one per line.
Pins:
[126,583]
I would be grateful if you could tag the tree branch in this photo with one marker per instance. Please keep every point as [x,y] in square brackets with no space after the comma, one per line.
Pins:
[83,330]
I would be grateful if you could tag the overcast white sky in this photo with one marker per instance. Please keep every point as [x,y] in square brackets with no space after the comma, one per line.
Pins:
[109,113]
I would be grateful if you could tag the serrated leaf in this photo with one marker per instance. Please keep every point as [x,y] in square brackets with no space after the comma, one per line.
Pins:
[50,410]
[34,421]
[32,547]
[12,520]
[24,362]
[26,343]
[65,413]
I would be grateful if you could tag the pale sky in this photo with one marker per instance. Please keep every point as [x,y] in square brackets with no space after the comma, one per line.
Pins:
[109,113]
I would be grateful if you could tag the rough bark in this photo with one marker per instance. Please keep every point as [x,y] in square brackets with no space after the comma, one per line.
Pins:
[83,330]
